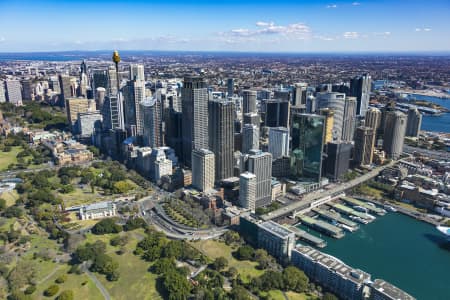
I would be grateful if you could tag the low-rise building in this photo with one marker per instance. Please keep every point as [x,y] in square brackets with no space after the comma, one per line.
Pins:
[331,273]
[98,210]
[382,290]
[276,239]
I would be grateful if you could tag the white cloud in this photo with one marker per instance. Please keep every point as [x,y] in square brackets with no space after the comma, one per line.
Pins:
[351,35]
[356,4]
[294,30]
[332,6]
[2,39]
[427,29]
[423,29]
[264,24]
[324,38]
[418,29]
[383,34]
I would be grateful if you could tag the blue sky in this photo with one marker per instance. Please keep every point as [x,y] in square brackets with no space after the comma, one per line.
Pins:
[227,25]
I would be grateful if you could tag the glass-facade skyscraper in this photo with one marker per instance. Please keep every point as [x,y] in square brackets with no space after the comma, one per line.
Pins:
[307,143]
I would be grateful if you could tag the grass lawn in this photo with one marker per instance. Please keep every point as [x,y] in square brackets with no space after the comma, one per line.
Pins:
[214,249]
[10,197]
[297,296]
[81,196]
[274,295]
[74,282]
[7,158]
[135,281]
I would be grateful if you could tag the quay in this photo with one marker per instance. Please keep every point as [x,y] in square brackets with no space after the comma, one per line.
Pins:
[366,218]
[373,209]
[322,226]
[309,238]
[336,217]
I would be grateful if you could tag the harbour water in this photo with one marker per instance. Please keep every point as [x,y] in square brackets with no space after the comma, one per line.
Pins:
[435,123]
[408,253]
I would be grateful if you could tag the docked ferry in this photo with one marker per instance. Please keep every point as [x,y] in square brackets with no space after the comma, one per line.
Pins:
[445,230]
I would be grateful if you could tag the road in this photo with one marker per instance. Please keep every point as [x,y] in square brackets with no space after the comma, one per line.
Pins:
[311,197]
[181,234]
[440,155]
[97,283]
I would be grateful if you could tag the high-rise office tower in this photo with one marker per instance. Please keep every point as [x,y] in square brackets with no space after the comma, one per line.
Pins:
[27,89]
[311,104]
[336,102]
[349,119]
[65,85]
[84,80]
[150,116]
[75,106]
[100,94]
[338,159]
[414,122]
[13,92]
[260,164]
[329,123]
[230,87]
[195,116]
[174,131]
[250,138]
[100,78]
[364,145]
[299,95]
[394,134]
[53,83]
[221,136]
[203,169]
[112,111]
[88,122]
[360,88]
[283,94]
[249,102]
[307,143]
[373,118]
[277,113]
[137,72]
[133,94]
[2,92]
[247,190]
[252,118]
[279,142]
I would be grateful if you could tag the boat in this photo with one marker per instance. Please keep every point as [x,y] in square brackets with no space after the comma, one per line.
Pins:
[371,204]
[360,209]
[358,219]
[390,208]
[348,228]
[444,229]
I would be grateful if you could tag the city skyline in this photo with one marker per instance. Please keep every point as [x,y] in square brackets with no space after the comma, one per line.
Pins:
[263,26]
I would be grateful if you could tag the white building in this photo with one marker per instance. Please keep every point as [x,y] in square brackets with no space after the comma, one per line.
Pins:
[13,92]
[98,210]
[203,169]
[250,138]
[279,142]
[163,167]
[247,190]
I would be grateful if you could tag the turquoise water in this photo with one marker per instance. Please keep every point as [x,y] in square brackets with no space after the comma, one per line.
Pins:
[408,253]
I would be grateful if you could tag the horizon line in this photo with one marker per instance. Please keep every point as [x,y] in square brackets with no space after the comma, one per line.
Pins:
[241,52]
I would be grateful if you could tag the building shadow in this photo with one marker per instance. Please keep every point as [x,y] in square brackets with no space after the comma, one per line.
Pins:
[441,241]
